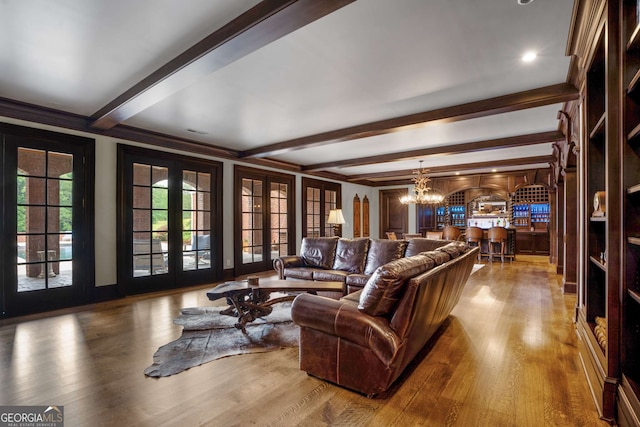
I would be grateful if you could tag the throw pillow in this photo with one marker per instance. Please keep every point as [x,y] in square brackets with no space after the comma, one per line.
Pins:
[381,251]
[383,290]
[319,251]
[351,255]
[454,249]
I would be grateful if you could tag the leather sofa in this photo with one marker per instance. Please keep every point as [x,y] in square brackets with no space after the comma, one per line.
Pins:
[351,261]
[366,339]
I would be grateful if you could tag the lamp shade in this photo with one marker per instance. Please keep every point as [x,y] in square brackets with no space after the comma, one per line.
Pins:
[335,217]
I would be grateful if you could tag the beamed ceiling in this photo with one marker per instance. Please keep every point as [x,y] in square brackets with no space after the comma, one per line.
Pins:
[354,90]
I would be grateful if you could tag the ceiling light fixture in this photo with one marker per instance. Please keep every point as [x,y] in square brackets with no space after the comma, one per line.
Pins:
[422,193]
[529,56]
[523,2]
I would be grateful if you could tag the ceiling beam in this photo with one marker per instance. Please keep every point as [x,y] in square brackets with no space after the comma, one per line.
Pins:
[454,168]
[266,22]
[470,147]
[502,104]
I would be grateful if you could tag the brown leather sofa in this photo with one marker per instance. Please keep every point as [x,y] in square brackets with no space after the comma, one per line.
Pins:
[351,261]
[365,340]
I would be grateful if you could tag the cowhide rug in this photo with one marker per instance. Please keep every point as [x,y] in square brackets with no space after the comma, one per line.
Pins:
[208,335]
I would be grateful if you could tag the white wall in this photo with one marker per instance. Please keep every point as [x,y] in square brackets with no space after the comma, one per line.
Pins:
[105,201]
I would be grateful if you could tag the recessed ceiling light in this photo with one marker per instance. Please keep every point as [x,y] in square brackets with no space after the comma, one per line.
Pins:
[529,56]
[457,173]
[523,2]
[494,170]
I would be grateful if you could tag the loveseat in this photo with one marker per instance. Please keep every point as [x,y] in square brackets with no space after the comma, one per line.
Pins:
[366,339]
[351,261]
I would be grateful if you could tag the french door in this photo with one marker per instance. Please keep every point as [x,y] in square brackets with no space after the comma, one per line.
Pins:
[265,218]
[319,198]
[47,221]
[169,221]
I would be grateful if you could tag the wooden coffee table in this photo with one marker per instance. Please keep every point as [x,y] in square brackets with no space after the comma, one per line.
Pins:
[249,302]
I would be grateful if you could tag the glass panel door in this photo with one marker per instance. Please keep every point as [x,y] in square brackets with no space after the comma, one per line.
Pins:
[320,198]
[168,221]
[264,203]
[196,220]
[330,202]
[47,255]
[150,211]
[252,221]
[279,196]
[44,220]
[313,212]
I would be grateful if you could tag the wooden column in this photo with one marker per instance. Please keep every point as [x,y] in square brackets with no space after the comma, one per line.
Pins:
[570,246]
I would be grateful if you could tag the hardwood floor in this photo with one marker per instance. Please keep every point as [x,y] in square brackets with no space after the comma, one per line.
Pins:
[507,356]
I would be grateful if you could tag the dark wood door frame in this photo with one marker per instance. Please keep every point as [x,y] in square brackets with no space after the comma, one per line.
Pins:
[394,216]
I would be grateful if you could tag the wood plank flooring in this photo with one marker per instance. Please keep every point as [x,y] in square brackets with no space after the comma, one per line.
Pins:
[507,356]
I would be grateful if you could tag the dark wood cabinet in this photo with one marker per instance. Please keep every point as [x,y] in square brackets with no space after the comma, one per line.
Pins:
[532,242]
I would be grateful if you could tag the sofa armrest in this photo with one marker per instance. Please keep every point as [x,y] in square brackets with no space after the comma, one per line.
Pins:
[343,319]
[289,261]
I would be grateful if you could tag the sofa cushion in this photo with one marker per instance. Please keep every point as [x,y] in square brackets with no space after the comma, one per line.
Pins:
[381,251]
[358,279]
[417,245]
[319,251]
[304,273]
[351,255]
[384,288]
[438,257]
[454,249]
[330,275]
[356,282]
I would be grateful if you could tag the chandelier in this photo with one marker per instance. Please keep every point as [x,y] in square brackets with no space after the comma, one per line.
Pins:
[422,193]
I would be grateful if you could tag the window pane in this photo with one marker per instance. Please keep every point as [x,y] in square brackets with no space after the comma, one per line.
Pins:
[141,197]
[204,181]
[159,176]
[65,196]
[31,191]
[160,220]
[204,201]
[59,220]
[160,198]
[189,180]
[141,174]
[34,218]
[31,162]
[59,164]
[141,220]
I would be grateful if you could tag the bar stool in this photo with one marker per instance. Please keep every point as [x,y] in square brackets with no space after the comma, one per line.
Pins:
[474,238]
[434,235]
[450,232]
[497,235]
[409,236]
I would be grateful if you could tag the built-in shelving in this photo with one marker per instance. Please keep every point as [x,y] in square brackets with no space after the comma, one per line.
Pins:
[598,351]
[453,212]
[530,208]
[629,322]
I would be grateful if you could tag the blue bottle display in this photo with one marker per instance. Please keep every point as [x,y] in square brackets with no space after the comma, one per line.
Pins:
[528,215]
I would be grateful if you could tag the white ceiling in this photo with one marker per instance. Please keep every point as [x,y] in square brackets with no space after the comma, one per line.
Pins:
[368,61]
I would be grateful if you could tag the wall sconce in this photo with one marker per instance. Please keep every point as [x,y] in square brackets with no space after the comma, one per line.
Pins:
[336,218]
